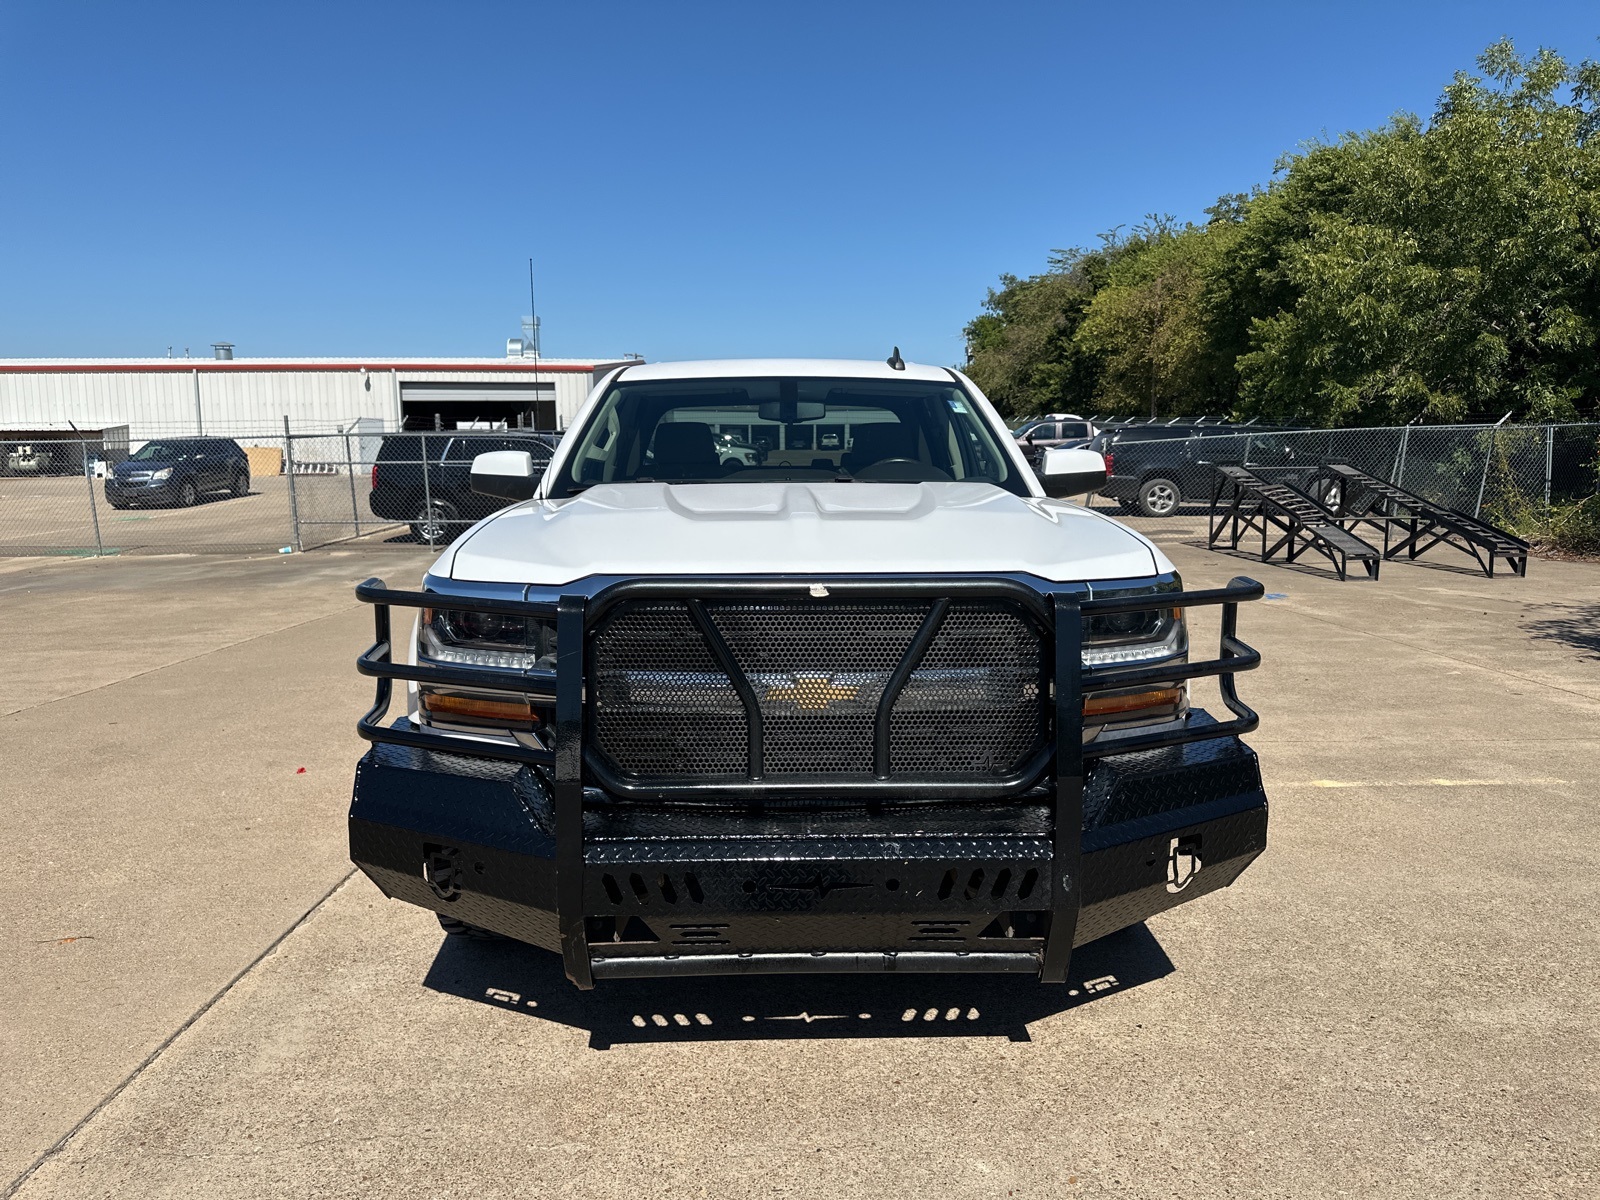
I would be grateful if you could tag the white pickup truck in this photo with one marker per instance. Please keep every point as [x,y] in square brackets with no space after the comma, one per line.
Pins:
[881,700]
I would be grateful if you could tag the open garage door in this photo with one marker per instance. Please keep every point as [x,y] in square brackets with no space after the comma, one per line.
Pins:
[477,406]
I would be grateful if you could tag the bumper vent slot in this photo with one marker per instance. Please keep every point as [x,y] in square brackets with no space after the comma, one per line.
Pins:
[661,888]
[699,935]
[939,931]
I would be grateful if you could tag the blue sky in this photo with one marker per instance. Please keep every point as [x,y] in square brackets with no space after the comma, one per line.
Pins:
[691,179]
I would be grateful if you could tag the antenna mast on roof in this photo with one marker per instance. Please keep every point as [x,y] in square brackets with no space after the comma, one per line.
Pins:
[531,326]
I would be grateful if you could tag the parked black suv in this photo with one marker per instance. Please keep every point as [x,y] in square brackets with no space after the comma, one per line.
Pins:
[176,472]
[1152,469]
[442,510]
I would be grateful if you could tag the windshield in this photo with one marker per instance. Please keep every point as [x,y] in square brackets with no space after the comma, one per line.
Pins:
[757,430]
[156,452]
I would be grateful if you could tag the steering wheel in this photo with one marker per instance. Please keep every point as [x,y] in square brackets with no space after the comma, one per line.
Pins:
[894,467]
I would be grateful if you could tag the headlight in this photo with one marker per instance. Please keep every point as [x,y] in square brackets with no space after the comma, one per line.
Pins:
[163,474]
[1134,637]
[1147,636]
[461,637]
[477,639]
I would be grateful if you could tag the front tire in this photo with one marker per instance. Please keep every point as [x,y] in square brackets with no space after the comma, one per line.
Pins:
[1159,497]
[240,485]
[189,496]
[433,524]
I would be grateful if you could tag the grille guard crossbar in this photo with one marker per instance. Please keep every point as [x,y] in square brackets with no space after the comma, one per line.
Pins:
[1060,620]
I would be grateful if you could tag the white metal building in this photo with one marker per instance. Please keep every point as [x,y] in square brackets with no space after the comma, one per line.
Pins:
[240,397]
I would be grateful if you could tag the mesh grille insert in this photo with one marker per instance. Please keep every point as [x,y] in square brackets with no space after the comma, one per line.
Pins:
[661,705]
[973,706]
[818,673]
[665,710]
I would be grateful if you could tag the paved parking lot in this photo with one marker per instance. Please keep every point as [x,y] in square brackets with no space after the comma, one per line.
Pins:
[69,515]
[1398,999]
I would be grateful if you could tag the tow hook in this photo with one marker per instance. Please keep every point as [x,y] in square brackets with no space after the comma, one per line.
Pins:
[1183,862]
[441,867]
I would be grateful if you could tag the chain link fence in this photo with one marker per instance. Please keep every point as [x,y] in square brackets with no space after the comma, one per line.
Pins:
[301,489]
[245,491]
[1511,475]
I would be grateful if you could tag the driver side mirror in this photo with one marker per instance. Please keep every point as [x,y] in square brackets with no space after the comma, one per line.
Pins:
[1072,472]
[507,474]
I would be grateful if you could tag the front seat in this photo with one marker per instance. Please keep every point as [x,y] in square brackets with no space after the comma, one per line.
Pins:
[878,441]
[684,450]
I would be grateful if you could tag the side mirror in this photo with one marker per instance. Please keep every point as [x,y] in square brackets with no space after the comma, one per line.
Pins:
[507,474]
[1072,472]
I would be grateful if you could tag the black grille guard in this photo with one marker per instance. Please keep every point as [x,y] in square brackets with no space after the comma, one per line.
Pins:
[1051,611]
[1060,615]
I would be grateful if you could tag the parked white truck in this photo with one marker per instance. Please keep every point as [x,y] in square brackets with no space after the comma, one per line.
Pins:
[884,700]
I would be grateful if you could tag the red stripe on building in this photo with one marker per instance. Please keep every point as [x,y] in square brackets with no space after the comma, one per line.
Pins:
[192,364]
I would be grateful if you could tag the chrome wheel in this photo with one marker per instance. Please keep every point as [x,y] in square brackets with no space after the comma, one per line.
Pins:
[1158,498]
[432,523]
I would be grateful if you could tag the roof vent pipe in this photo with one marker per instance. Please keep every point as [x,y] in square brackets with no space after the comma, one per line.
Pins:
[222,349]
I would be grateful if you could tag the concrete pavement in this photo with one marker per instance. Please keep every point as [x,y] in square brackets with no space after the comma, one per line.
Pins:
[1398,999]
[157,715]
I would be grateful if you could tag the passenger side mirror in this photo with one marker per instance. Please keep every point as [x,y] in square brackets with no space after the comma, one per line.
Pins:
[1072,472]
[507,474]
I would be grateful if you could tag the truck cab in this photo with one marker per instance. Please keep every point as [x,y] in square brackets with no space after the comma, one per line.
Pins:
[878,699]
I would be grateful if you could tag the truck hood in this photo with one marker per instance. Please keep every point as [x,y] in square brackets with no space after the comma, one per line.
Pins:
[776,528]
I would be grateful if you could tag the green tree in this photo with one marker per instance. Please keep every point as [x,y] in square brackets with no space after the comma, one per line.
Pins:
[1444,269]
[1149,326]
[1020,349]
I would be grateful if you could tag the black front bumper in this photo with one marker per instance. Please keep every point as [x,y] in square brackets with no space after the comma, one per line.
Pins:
[916,888]
[161,495]
[870,877]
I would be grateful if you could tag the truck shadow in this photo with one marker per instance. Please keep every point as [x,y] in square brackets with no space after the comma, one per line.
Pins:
[529,982]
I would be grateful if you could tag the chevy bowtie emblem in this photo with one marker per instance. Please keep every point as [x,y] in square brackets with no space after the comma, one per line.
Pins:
[811,692]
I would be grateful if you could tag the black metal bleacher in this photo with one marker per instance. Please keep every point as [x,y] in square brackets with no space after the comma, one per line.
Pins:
[1243,502]
[1355,498]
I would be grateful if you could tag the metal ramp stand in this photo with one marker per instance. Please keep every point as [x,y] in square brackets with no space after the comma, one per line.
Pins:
[1423,523]
[1255,505]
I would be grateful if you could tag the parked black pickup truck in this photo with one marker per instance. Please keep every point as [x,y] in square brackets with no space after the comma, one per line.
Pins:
[1152,469]
[440,509]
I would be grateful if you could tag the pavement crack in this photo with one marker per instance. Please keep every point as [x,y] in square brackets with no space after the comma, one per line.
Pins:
[166,1043]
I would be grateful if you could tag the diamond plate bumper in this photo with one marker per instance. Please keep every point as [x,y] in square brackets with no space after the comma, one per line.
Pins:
[948,887]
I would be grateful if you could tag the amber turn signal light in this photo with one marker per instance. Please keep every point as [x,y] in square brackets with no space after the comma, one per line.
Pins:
[1110,706]
[480,707]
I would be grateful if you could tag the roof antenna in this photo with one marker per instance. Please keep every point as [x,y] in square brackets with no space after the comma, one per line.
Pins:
[895,361]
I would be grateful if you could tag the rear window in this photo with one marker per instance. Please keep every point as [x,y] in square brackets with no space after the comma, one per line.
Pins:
[465,449]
